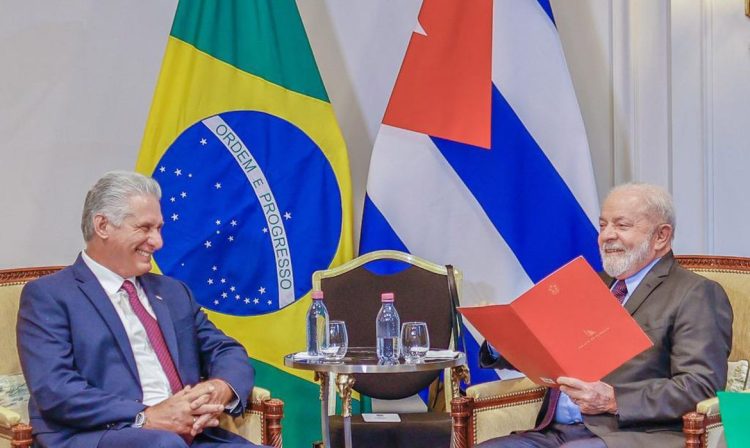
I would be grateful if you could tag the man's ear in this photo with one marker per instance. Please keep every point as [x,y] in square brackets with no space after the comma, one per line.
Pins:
[100,226]
[663,236]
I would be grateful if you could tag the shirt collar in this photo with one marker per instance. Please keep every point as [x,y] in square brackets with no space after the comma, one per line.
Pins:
[110,281]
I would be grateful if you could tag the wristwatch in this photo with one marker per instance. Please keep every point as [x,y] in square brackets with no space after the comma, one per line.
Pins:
[140,420]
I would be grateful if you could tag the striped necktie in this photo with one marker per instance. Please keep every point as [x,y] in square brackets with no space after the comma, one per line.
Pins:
[155,336]
[620,290]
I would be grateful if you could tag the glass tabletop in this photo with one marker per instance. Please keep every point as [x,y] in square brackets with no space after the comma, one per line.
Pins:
[364,360]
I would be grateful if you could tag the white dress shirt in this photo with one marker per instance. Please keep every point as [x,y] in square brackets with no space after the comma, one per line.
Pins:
[154,382]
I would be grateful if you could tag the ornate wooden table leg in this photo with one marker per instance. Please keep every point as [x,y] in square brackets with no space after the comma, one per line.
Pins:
[344,385]
[458,374]
[460,413]
[324,419]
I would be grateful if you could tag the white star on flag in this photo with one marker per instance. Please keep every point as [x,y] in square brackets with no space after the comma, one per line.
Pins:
[232,288]
[255,300]
[265,229]
[178,172]
[233,222]
[218,222]
[175,216]
[247,300]
[217,185]
[213,268]
[262,290]
[237,296]
[231,238]
[210,281]
[203,141]
[207,244]
[287,215]
[162,169]
[223,280]
[224,295]
[172,199]
[183,195]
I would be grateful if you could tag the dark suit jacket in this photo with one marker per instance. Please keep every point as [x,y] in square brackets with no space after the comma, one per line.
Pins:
[79,365]
[689,320]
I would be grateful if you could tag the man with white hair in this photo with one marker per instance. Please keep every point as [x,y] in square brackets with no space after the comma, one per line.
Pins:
[686,316]
[115,356]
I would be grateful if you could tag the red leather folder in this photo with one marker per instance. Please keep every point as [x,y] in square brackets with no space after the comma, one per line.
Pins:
[568,324]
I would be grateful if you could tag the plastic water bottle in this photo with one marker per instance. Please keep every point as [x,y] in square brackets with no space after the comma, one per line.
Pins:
[317,325]
[388,328]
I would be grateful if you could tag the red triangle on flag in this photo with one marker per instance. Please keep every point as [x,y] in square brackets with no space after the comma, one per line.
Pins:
[444,88]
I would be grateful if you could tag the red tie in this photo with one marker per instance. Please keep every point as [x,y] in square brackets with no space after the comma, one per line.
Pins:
[620,290]
[155,336]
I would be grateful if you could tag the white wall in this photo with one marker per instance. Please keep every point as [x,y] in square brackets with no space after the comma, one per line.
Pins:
[663,87]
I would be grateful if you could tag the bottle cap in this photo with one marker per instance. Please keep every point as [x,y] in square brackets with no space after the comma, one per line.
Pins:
[386,297]
[317,295]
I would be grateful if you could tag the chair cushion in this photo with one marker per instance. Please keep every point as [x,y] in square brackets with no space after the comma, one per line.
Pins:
[14,395]
[9,299]
[737,376]
[428,429]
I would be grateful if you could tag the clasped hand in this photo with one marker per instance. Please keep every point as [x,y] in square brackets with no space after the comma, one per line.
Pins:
[591,398]
[191,410]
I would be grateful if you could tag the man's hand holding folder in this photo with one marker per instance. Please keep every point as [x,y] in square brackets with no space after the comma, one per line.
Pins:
[567,325]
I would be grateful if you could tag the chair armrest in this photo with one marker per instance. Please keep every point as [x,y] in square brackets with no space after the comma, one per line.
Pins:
[708,407]
[495,409]
[261,421]
[258,395]
[9,417]
[502,388]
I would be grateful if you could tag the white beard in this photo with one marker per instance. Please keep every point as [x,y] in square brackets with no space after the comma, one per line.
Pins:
[616,264]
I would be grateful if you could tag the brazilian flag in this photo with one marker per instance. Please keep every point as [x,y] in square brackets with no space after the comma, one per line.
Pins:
[244,142]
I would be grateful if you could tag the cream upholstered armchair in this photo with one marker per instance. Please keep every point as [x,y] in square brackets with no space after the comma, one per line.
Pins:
[495,409]
[260,424]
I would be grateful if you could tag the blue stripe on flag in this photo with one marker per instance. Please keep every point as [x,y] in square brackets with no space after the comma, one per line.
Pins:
[548,9]
[523,195]
[478,375]
[377,234]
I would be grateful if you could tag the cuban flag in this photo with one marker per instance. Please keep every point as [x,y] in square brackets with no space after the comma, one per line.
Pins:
[482,160]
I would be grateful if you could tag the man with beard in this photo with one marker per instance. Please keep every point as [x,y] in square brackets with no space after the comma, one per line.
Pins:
[688,318]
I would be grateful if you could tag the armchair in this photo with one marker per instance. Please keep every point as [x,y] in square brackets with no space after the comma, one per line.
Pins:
[260,424]
[495,409]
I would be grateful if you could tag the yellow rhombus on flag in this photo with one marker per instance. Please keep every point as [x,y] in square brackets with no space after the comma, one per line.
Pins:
[255,179]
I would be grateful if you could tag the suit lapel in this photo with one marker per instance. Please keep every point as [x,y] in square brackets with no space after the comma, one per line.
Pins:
[94,292]
[163,317]
[649,283]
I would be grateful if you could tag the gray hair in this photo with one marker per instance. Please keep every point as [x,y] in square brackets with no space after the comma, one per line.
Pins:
[110,196]
[657,200]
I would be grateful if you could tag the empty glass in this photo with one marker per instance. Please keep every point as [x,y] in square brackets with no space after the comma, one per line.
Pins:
[415,341]
[338,341]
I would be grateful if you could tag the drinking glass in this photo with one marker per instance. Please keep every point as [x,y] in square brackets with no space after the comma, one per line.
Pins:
[415,341]
[338,341]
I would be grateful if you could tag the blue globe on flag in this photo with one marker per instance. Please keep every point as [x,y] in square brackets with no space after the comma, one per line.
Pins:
[251,209]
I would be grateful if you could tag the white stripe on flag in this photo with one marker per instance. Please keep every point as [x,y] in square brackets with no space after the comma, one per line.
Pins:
[529,69]
[437,217]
